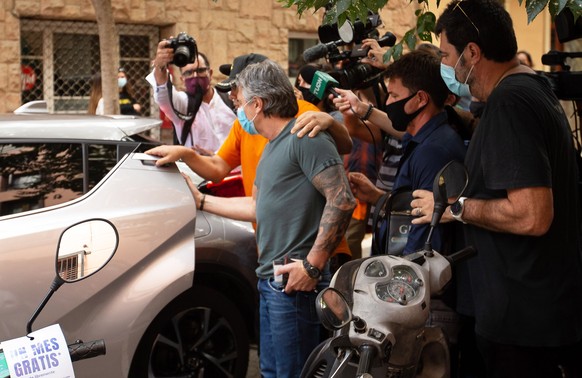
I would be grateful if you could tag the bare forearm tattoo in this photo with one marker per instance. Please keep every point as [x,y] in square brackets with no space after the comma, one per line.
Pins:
[333,184]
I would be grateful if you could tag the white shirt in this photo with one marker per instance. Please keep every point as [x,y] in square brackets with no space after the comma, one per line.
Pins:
[211,125]
[100,107]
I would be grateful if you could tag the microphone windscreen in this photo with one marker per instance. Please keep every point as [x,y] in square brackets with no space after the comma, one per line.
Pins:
[314,53]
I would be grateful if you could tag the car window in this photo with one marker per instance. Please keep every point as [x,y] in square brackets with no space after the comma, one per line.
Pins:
[38,175]
[102,158]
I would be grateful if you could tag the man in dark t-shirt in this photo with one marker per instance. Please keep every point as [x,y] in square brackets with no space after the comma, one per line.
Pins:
[521,205]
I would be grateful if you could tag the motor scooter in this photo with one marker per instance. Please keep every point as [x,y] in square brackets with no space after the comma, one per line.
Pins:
[378,307]
[83,250]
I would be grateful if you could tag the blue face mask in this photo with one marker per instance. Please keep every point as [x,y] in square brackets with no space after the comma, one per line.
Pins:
[121,82]
[448,75]
[247,124]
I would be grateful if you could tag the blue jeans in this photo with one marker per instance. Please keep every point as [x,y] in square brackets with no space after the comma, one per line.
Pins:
[289,329]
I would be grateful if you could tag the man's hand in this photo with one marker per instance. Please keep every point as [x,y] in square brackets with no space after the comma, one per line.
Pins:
[363,189]
[349,104]
[164,54]
[195,192]
[422,206]
[168,154]
[375,54]
[312,123]
[298,279]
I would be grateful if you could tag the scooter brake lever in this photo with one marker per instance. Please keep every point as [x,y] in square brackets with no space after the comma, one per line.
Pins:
[340,367]
[416,257]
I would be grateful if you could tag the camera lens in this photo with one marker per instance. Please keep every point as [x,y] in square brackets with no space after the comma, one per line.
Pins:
[181,56]
[357,76]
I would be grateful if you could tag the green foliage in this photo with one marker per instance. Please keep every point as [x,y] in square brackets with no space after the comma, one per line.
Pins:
[342,10]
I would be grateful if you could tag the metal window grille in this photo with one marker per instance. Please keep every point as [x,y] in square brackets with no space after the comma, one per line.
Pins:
[60,57]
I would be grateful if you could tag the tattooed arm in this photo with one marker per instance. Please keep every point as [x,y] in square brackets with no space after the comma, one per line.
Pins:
[333,184]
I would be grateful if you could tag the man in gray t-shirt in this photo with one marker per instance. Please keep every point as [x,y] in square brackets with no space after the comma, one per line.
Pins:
[289,206]
[302,204]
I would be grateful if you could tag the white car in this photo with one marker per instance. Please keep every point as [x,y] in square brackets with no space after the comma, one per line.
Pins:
[178,299]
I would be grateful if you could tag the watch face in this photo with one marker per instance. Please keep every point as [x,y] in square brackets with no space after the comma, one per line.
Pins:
[312,271]
[456,208]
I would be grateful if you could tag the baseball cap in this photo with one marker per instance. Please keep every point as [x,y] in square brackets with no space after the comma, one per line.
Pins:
[239,64]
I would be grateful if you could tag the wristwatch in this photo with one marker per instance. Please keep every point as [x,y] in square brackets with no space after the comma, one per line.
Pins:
[312,271]
[457,209]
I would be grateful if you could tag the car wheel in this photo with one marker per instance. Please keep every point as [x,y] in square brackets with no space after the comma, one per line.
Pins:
[200,334]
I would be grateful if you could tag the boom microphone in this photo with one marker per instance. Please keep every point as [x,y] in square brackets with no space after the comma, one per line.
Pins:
[320,51]
[323,83]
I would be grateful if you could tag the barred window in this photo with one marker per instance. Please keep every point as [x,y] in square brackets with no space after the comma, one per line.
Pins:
[59,59]
[298,43]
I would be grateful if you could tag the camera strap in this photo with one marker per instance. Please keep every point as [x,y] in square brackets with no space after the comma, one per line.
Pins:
[194,103]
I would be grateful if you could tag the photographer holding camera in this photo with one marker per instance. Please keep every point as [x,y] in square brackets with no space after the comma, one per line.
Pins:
[201,117]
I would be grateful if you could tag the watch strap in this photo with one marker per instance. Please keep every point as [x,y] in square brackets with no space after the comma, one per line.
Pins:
[312,271]
[458,214]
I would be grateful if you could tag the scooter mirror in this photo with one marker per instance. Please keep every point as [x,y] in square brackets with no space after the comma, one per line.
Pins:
[85,248]
[333,309]
[450,183]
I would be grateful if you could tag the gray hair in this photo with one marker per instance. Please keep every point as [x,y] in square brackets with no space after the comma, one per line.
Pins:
[267,81]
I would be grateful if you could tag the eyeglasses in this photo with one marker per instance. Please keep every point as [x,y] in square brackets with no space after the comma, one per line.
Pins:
[458,5]
[200,71]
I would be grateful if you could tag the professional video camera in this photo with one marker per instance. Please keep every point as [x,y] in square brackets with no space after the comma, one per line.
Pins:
[185,50]
[353,74]
[567,85]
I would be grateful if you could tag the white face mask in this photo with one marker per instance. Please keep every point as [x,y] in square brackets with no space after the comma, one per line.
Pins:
[121,82]
[450,79]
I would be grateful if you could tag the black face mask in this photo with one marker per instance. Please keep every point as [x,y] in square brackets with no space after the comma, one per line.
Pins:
[399,118]
[308,96]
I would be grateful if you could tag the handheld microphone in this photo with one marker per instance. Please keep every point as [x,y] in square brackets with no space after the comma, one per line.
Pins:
[323,83]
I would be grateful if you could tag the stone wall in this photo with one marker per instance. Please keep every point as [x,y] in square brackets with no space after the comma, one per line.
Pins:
[223,29]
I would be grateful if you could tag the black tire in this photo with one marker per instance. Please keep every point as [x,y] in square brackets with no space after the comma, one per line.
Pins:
[200,334]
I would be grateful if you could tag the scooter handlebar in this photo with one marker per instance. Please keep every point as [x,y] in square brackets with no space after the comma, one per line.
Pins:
[461,255]
[81,351]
